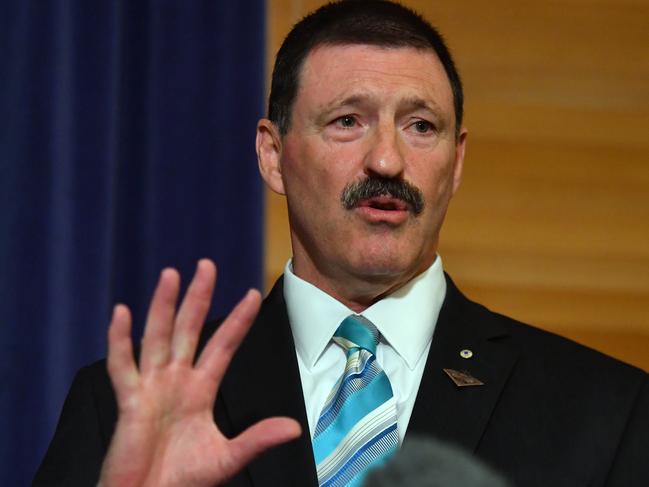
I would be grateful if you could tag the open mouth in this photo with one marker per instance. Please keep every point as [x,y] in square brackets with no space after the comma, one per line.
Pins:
[385,209]
[384,203]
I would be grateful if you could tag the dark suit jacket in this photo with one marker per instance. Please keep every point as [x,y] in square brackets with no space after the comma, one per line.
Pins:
[550,412]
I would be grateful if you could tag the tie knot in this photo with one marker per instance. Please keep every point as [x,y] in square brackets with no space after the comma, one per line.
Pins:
[356,331]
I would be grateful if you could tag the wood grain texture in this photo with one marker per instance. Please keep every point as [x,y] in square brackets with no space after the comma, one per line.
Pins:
[551,224]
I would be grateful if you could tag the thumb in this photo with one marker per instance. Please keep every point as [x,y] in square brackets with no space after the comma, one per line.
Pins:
[258,438]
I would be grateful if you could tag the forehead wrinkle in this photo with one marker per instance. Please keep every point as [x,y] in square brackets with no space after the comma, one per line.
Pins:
[398,78]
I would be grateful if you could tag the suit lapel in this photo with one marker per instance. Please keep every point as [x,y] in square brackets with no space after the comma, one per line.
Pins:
[461,414]
[263,381]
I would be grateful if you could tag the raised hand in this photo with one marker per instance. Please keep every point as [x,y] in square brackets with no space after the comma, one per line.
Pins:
[165,434]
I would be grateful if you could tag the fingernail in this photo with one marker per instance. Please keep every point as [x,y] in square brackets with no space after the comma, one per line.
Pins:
[116,309]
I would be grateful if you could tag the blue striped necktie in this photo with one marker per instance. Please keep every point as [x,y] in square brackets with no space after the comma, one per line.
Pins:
[357,428]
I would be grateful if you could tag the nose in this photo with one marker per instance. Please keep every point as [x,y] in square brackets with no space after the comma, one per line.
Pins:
[385,157]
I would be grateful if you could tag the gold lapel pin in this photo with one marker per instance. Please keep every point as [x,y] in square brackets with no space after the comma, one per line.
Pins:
[463,378]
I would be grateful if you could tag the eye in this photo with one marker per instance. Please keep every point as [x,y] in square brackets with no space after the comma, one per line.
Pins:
[422,126]
[346,121]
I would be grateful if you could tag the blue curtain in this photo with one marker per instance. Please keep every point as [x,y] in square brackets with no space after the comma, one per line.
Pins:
[127,144]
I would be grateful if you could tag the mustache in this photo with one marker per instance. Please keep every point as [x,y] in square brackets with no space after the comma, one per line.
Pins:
[377,186]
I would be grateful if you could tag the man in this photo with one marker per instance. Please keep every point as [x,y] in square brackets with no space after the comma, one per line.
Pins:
[365,139]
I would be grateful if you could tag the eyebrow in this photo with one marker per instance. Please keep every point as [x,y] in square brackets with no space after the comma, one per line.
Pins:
[357,99]
[420,104]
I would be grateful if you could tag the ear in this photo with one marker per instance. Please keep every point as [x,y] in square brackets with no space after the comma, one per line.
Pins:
[460,148]
[269,151]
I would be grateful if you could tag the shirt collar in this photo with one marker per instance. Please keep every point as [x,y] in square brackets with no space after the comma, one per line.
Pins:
[405,318]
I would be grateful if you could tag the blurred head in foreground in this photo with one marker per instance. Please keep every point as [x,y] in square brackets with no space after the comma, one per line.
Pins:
[425,462]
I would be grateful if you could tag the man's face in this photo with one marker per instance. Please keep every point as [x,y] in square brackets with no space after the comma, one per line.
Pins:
[364,113]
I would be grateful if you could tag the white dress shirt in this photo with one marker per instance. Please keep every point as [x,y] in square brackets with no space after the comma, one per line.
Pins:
[406,320]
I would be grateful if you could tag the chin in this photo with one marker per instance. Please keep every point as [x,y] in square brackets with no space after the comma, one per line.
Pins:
[383,268]
[391,264]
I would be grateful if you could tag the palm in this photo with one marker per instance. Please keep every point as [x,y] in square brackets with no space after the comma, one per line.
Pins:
[165,434]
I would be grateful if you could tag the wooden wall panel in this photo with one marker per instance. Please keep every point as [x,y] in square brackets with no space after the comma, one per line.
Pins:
[551,224]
